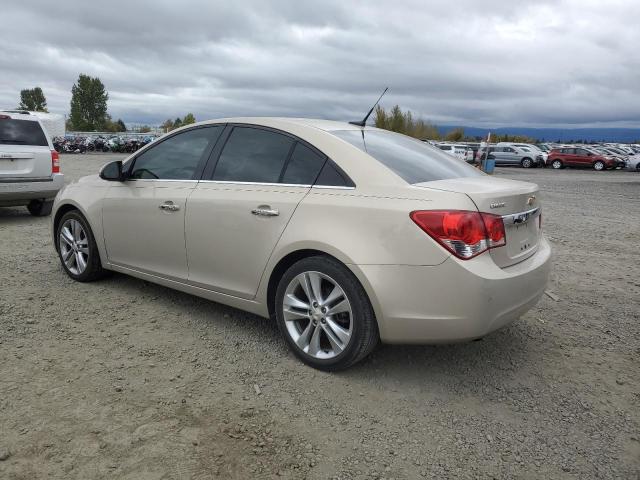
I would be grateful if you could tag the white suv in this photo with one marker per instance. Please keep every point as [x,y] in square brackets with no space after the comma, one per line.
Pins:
[29,165]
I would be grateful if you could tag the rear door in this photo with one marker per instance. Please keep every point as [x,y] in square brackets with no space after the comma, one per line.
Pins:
[24,149]
[239,210]
[500,155]
[582,157]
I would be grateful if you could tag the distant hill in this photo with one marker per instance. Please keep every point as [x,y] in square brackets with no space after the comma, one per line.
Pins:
[621,135]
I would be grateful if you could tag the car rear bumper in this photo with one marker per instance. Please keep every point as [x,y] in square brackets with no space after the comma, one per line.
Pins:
[17,191]
[456,300]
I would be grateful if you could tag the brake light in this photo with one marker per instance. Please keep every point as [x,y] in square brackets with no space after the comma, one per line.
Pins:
[465,234]
[55,162]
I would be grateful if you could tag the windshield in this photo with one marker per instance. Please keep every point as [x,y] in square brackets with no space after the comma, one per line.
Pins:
[414,161]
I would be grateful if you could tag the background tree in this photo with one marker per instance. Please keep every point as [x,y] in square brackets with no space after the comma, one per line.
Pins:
[121,126]
[88,104]
[455,135]
[177,123]
[167,126]
[188,119]
[403,122]
[33,99]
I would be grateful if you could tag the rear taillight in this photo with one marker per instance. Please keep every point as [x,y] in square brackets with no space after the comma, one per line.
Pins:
[465,234]
[55,162]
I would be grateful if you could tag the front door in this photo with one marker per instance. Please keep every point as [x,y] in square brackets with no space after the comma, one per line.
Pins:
[143,217]
[236,217]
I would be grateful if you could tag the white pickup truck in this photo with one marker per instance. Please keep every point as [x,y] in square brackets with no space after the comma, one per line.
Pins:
[29,165]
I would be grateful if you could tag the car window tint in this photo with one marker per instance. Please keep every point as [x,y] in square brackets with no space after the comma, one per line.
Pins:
[330,176]
[21,132]
[414,161]
[177,157]
[304,166]
[253,155]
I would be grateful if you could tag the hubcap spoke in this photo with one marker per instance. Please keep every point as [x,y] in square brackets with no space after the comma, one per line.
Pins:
[66,254]
[305,337]
[303,280]
[335,294]
[315,280]
[80,260]
[66,232]
[342,306]
[333,340]
[291,301]
[342,334]
[314,343]
[66,241]
[70,261]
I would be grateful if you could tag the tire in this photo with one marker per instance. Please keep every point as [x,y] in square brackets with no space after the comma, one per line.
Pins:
[40,208]
[556,164]
[85,247]
[312,328]
[599,165]
[526,163]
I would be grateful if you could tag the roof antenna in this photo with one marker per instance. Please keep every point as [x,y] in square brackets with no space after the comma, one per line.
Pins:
[363,122]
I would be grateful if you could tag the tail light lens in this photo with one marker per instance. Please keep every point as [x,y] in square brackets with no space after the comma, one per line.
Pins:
[465,234]
[55,162]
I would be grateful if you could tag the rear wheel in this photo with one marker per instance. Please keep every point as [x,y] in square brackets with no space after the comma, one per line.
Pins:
[324,314]
[526,163]
[557,164]
[77,248]
[40,208]
[598,165]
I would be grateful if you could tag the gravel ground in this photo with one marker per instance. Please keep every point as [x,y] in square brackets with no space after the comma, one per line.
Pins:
[125,379]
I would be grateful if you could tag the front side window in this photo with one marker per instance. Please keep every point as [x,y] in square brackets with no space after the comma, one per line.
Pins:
[253,155]
[177,157]
[412,160]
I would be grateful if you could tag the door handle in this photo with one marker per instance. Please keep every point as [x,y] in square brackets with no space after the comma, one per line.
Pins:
[265,211]
[169,206]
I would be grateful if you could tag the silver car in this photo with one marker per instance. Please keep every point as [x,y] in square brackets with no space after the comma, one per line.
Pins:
[344,235]
[29,165]
[505,155]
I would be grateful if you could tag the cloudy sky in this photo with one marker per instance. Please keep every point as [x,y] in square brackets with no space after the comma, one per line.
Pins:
[567,63]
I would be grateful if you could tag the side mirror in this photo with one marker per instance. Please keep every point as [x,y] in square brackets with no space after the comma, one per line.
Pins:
[112,172]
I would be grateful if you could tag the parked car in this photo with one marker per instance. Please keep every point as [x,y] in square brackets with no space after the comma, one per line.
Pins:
[458,151]
[528,147]
[580,157]
[633,163]
[512,155]
[342,234]
[29,165]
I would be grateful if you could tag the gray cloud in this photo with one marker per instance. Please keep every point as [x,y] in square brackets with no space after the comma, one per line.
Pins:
[538,63]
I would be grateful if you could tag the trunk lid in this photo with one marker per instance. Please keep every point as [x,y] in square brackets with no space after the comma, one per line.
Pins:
[517,202]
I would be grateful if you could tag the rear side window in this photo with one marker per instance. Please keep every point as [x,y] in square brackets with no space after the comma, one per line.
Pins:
[304,166]
[177,157]
[412,160]
[21,132]
[253,155]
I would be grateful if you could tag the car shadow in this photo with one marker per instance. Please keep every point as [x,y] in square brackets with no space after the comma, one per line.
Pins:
[499,355]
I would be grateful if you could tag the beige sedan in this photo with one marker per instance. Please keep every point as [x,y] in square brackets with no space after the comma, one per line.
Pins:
[346,236]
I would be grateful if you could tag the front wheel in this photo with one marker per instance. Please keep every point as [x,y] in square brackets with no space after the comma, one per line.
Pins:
[77,248]
[324,314]
[557,164]
[599,165]
[526,163]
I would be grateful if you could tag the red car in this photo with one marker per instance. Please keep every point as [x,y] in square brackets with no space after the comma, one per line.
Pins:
[579,157]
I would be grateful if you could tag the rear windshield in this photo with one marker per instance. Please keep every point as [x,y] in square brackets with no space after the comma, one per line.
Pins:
[21,132]
[414,161]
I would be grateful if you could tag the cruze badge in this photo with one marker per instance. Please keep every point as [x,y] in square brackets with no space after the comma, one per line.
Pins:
[531,199]
[497,205]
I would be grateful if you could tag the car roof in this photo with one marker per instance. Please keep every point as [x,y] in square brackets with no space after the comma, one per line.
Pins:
[282,122]
[19,115]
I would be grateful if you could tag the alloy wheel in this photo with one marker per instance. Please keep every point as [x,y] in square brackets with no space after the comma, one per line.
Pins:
[556,164]
[74,246]
[317,315]
[598,165]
